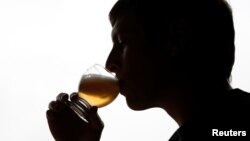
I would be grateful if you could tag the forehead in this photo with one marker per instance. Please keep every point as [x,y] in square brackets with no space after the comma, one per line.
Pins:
[126,24]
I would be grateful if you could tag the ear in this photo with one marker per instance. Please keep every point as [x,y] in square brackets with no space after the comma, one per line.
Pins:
[171,49]
[178,38]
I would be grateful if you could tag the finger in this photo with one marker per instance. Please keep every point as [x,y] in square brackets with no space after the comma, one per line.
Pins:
[52,105]
[51,115]
[62,97]
[57,106]
[79,101]
[74,96]
[62,125]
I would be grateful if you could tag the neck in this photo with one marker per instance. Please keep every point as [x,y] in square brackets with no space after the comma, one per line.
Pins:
[183,103]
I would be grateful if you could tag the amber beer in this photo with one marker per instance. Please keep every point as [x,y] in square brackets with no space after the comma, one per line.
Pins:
[98,90]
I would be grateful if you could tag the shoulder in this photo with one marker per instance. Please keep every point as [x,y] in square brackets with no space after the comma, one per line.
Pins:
[239,92]
[230,111]
[236,110]
[239,99]
[226,116]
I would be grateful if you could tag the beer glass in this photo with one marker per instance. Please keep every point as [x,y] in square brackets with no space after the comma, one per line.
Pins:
[97,87]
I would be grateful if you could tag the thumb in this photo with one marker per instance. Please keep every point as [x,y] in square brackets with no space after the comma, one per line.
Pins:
[93,109]
[94,119]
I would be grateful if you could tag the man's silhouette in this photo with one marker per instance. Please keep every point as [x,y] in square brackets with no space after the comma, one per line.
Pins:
[176,55]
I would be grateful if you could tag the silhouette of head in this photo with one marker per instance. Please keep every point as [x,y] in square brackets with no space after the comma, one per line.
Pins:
[201,30]
[176,42]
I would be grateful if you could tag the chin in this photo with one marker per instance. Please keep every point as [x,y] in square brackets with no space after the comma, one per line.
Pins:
[137,105]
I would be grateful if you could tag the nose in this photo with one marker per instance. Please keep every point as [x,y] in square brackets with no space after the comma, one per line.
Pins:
[113,61]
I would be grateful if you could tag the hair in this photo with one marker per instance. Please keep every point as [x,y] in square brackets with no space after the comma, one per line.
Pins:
[204,30]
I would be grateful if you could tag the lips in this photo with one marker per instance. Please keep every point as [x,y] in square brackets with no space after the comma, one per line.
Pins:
[121,86]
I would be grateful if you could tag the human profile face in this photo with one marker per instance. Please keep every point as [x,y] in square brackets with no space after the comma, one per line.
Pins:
[135,62]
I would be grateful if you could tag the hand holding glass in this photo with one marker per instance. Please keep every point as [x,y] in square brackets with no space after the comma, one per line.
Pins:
[98,87]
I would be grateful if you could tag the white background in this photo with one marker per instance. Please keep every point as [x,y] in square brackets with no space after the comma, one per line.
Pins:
[45,45]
